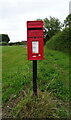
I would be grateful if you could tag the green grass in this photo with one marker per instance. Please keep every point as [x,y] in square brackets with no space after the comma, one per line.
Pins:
[53,76]
[41,107]
[15,72]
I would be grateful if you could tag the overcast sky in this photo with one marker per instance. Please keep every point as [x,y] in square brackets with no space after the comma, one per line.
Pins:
[15,13]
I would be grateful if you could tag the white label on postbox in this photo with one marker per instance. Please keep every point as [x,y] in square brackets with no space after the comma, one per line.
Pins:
[35,47]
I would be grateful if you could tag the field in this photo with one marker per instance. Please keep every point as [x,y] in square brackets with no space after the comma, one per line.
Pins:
[52,80]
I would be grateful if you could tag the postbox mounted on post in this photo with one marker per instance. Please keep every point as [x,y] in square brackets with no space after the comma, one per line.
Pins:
[35,40]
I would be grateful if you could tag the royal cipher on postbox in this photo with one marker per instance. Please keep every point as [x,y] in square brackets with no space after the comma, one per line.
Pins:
[35,40]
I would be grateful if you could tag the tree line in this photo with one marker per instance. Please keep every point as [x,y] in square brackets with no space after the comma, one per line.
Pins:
[5,40]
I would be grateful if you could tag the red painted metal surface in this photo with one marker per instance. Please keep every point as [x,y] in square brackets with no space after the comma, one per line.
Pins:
[35,40]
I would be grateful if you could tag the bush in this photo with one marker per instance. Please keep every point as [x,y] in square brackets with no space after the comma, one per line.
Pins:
[60,41]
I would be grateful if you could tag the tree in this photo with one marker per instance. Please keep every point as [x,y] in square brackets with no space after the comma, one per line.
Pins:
[46,37]
[67,21]
[53,25]
[4,38]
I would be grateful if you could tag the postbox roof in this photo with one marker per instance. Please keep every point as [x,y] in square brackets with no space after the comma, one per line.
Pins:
[35,24]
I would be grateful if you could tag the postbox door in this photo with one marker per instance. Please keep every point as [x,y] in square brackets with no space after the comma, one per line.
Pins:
[35,49]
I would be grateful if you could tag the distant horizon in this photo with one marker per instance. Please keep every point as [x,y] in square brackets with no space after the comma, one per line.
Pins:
[13,41]
[18,41]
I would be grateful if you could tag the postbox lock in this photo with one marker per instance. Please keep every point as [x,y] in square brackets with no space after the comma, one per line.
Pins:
[34,37]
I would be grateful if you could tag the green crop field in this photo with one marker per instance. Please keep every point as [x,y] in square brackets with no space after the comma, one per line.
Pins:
[17,86]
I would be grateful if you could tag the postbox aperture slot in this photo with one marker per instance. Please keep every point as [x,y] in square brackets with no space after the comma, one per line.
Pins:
[35,47]
[34,28]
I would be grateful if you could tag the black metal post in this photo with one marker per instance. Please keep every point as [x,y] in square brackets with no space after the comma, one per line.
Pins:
[35,77]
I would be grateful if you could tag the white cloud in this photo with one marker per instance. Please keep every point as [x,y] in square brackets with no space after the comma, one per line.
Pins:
[15,13]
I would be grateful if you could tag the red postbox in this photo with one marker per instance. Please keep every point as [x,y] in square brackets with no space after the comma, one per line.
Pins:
[35,40]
